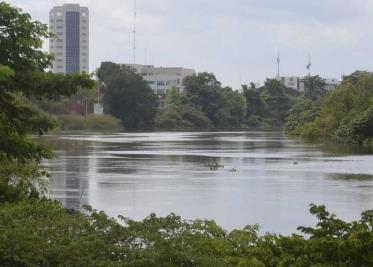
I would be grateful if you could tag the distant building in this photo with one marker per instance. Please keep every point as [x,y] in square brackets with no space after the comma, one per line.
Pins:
[70,24]
[297,84]
[160,79]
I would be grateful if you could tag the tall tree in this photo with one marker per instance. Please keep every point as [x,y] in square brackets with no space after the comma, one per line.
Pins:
[314,87]
[23,76]
[204,92]
[278,103]
[127,96]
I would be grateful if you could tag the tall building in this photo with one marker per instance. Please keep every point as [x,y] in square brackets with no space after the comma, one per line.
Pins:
[160,79]
[70,24]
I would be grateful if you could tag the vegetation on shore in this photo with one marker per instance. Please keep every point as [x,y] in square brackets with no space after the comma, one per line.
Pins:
[35,231]
[344,115]
[100,123]
[203,104]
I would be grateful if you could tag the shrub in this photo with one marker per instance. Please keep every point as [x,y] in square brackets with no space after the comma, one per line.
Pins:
[92,122]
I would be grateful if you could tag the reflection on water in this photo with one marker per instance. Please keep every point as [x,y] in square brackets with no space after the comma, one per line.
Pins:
[267,178]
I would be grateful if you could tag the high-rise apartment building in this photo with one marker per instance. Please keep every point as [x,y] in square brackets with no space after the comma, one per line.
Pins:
[70,24]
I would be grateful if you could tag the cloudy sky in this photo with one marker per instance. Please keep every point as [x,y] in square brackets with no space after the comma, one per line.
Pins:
[235,39]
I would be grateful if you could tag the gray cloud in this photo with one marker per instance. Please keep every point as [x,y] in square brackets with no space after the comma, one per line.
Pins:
[237,39]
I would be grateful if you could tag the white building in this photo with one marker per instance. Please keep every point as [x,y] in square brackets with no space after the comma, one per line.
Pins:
[160,79]
[297,84]
[70,24]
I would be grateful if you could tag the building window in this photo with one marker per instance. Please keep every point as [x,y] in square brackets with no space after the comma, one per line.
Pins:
[59,60]
[59,47]
[59,40]
[59,33]
[160,83]
[59,67]
[72,42]
[84,14]
[59,14]
[59,27]
[151,82]
[59,53]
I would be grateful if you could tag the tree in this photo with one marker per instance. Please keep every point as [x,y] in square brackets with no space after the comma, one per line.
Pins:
[345,114]
[127,96]
[254,103]
[204,92]
[314,87]
[277,102]
[23,77]
[234,108]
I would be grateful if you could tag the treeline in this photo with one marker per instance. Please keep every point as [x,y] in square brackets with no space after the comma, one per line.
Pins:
[204,103]
[344,115]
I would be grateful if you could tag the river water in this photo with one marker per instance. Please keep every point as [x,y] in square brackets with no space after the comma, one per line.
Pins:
[267,177]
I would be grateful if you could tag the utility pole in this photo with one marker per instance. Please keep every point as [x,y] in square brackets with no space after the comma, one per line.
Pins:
[134,31]
[278,64]
[309,65]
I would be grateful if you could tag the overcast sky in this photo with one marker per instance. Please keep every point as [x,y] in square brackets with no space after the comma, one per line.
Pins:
[235,39]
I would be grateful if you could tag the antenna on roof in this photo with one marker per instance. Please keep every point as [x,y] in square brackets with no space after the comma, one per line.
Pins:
[278,64]
[134,30]
[309,65]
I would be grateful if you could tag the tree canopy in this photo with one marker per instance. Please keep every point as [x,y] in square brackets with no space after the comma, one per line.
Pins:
[23,76]
[127,96]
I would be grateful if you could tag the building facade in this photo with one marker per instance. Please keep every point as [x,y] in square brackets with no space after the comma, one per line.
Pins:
[70,46]
[160,79]
[297,84]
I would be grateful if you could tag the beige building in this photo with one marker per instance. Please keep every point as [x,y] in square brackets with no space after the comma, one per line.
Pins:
[297,84]
[160,79]
[70,24]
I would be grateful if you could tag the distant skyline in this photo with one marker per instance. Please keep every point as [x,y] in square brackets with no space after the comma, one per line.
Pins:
[237,40]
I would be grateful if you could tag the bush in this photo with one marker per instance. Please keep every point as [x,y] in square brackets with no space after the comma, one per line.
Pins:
[183,117]
[345,114]
[357,129]
[92,122]
[303,112]
[42,233]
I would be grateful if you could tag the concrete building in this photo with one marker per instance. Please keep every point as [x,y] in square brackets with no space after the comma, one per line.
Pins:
[297,84]
[70,24]
[160,79]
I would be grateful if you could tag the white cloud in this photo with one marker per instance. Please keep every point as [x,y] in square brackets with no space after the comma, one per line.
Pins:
[236,39]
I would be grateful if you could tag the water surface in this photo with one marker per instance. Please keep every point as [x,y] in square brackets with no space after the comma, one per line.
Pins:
[267,178]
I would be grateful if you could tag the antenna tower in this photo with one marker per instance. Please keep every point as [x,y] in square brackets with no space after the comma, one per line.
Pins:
[309,65]
[134,30]
[278,64]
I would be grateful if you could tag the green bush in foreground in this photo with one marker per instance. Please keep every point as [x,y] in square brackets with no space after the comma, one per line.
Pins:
[73,122]
[42,233]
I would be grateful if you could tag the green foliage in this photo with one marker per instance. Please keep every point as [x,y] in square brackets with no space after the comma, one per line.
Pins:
[42,233]
[224,107]
[182,117]
[269,105]
[346,113]
[314,87]
[92,122]
[356,129]
[22,76]
[127,96]
[301,113]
